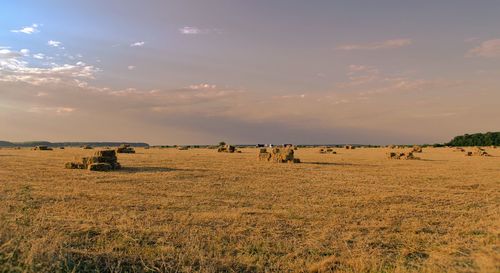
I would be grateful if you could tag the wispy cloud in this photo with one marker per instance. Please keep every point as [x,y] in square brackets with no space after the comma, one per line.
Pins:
[27,30]
[39,56]
[487,49]
[138,44]
[190,30]
[54,43]
[131,67]
[368,80]
[388,44]
[57,110]
[202,86]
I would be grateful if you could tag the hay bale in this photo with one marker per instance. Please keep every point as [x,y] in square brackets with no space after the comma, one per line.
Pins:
[327,151]
[468,154]
[278,155]
[402,156]
[393,155]
[42,148]
[264,156]
[74,165]
[417,149]
[107,157]
[100,167]
[410,156]
[106,153]
[282,155]
[125,149]
[226,149]
[478,151]
[87,147]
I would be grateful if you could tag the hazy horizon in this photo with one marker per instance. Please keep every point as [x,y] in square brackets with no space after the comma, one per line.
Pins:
[187,72]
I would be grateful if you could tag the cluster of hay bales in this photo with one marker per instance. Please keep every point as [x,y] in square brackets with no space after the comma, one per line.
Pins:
[417,149]
[327,151]
[278,155]
[350,147]
[87,147]
[42,148]
[104,160]
[125,149]
[226,149]
[403,156]
[478,151]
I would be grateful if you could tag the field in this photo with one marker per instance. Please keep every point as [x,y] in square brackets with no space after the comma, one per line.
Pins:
[202,211]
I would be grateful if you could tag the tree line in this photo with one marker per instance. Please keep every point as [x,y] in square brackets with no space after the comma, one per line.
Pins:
[480,139]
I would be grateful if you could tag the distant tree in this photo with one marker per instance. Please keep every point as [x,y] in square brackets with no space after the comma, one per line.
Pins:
[222,143]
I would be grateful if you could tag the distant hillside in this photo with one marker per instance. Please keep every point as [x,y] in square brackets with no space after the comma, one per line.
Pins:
[6,144]
[487,139]
[69,144]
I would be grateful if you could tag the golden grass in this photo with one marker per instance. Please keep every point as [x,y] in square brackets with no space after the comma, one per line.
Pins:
[203,211]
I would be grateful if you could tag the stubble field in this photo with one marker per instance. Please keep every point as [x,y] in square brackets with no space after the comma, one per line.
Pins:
[202,211]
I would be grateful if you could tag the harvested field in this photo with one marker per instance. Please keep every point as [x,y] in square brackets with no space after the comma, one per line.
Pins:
[198,210]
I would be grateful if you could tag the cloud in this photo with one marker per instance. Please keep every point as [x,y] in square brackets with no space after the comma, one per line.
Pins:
[487,49]
[367,80]
[27,30]
[138,44]
[25,52]
[131,67]
[56,110]
[13,68]
[8,54]
[190,30]
[54,43]
[388,44]
[39,56]
[202,86]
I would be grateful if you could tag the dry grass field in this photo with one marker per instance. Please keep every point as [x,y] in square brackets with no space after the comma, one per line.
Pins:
[202,211]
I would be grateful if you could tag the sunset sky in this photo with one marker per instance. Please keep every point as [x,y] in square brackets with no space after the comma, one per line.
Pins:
[263,71]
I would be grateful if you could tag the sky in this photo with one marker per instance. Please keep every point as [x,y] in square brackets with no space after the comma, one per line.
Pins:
[261,71]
